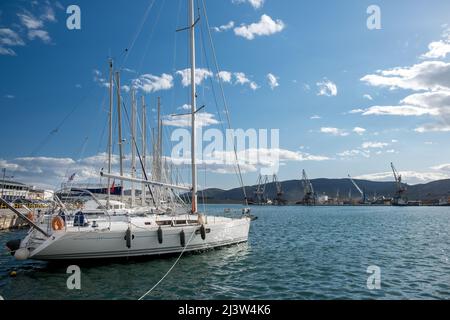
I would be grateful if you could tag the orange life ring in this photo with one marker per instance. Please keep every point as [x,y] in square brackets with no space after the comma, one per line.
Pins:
[57,223]
[30,216]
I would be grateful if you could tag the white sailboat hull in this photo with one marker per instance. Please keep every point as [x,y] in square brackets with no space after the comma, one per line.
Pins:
[98,244]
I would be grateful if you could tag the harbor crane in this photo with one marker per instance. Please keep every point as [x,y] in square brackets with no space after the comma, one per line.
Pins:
[279,199]
[309,197]
[363,194]
[260,193]
[400,189]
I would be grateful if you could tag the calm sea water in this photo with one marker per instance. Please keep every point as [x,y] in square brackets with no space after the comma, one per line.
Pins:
[293,253]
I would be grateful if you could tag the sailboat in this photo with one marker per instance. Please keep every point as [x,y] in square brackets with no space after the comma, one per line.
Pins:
[64,235]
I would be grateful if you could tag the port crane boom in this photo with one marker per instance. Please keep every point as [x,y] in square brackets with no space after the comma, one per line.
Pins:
[260,192]
[279,199]
[400,189]
[309,197]
[363,195]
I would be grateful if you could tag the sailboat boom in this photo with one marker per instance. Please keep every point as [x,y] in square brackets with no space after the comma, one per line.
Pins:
[146,182]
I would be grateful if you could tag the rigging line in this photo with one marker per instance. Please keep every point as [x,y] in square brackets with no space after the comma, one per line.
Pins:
[138,31]
[171,268]
[151,36]
[58,127]
[100,141]
[224,100]
[168,143]
[53,132]
[214,93]
[139,155]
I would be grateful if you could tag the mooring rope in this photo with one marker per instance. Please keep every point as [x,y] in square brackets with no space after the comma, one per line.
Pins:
[171,268]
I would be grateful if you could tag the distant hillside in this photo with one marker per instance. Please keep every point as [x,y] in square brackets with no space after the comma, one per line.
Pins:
[293,190]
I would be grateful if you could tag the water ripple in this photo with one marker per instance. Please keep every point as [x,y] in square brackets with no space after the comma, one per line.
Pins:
[293,253]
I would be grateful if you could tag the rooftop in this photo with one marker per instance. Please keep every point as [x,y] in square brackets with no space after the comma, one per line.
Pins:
[12,183]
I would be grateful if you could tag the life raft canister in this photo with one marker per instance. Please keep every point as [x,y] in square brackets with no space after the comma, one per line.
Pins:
[57,223]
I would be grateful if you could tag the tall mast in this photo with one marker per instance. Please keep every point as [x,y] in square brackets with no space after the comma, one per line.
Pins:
[159,143]
[119,119]
[144,146]
[111,94]
[133,145]
[194,107]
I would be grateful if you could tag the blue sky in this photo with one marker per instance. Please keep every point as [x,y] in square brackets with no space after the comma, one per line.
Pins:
[353,98]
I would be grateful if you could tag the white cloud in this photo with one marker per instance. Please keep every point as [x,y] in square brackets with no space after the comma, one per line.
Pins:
[432,103]
[34,29]
[327,88]
[41,34]
[433,127]
[315,117]
[225,27]
[185,107]
[250,160]
[273,81]
[241,79]
[411,177]
[9,38]
[200,75]
[149,83]
[9,96]
[7,52]
[334,131]
[374,145]
[98,78]
[265,27]
[30,21]
[359,130]
[50,172]
[432,77]
[225,76]
[254,86]
[439,49]
[368,97]
[202,120]
[254,3]
[46,172]
[354,153]
[399,111]
[49,14]
[428,75]
[442,167]
[356,111]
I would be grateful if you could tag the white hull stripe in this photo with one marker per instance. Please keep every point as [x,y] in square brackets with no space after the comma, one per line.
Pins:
[141,252]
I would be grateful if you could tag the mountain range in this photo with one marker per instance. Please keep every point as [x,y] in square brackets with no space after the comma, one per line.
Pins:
[334,188]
